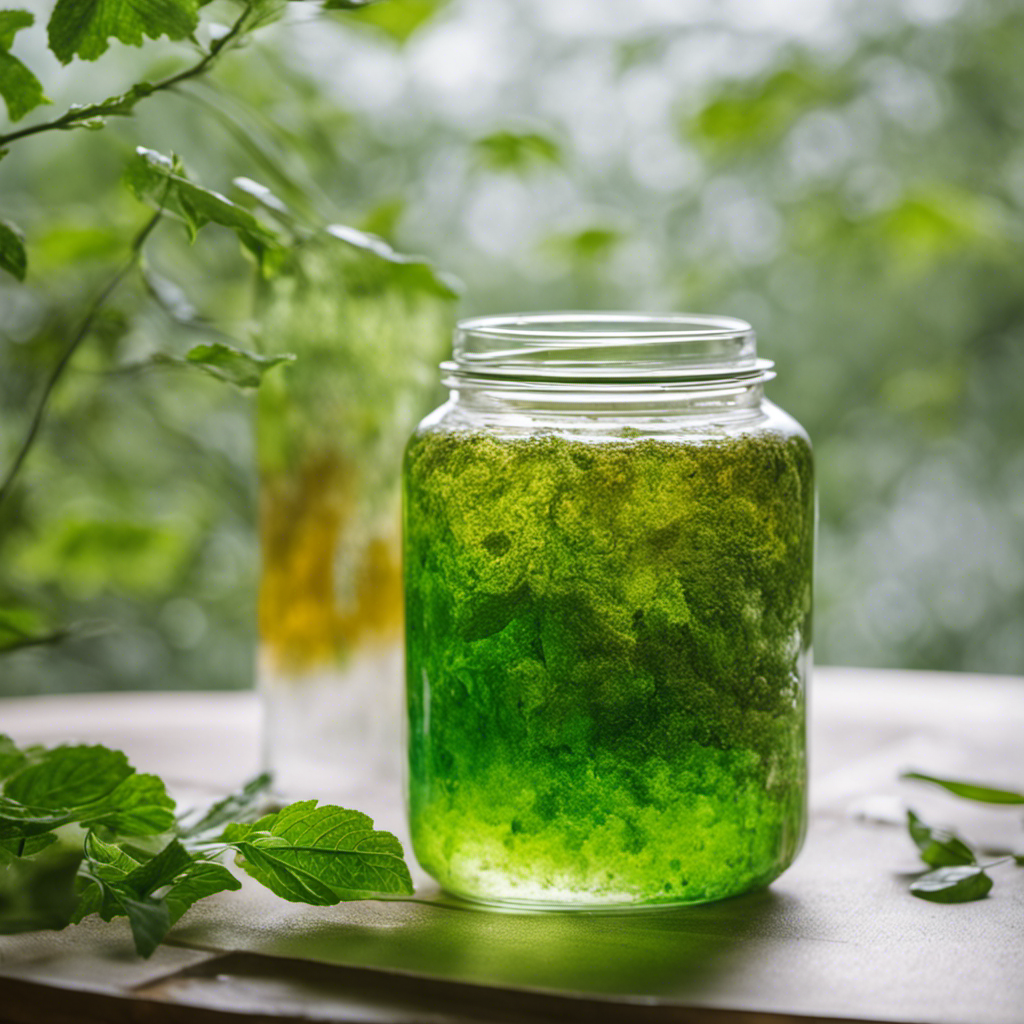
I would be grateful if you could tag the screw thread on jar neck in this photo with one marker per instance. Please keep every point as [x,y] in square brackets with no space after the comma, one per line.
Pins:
[607,364]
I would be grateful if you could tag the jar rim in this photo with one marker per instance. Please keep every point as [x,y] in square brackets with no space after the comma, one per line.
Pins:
[604,325]
[606,346]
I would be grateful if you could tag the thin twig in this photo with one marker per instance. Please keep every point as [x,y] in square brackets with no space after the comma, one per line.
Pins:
[80,335]
[85,113]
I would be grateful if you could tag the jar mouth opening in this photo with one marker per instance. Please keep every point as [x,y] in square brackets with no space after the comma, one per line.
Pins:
[598,327]
[606,346]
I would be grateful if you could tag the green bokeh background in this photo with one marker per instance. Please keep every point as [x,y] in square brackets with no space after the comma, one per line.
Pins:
[849,177]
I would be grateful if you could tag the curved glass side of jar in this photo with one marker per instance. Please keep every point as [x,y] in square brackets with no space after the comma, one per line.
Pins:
[608,628]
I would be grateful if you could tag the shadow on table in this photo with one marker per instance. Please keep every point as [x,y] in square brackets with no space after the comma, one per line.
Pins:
[651,953]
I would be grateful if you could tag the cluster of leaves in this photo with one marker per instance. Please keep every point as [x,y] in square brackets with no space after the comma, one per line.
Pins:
[957,876]
[81,833]
[278,251]
[271,236]
[74,30]
[84,32]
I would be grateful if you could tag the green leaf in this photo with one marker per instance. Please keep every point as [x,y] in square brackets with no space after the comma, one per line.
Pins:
[259,13]
[111,893]
[11,23]
[398,20]
[160,870]
[161,181]
[415,273]
[90,900]
[585,248]
[21,626]
[938,847]
[17,621]
[203,878]
[68,777]
[20,88]
[118,886]
[12,250]
[88,784]
[970,790]
[233,808]
[150,919]
[104,862]
[234,365]
[266,199]
[20,822]
[382,220]
[82,28]
[953,885]
[190,880]
[87,555]
[320,855]
[108,861]
[936,223]
[139,806]
[11,758]
[748,115]
[297,883]
[520,152]
[28,847]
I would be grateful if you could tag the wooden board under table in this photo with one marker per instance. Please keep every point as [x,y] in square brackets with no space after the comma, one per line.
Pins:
[838,937]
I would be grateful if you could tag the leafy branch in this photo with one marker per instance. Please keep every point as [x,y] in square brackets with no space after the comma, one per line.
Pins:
[138,859]
[162,181]
[79,30]
[123,105]
[83,31]
[84,328]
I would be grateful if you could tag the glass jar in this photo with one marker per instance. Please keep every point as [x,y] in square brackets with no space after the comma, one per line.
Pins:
[367,327]
[608,554]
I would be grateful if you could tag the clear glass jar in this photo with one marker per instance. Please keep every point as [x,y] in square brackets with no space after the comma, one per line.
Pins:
[608,552]
[331,428]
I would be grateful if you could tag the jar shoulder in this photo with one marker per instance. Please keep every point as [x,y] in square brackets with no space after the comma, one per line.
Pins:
[777,420]
[768,418]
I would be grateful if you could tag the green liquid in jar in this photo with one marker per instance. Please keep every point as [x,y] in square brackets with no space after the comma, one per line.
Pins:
[606,648]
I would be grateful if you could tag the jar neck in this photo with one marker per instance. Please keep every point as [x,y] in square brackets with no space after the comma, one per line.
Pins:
[606,366]
[717,402]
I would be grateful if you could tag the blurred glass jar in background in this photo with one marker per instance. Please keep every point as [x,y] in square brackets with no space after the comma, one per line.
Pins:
[367,327]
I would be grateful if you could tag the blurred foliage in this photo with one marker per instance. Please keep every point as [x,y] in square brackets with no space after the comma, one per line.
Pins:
[395,19]
[852,182]
[749,115]
[517,151]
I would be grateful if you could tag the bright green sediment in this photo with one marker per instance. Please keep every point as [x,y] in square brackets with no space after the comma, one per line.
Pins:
[606,646]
